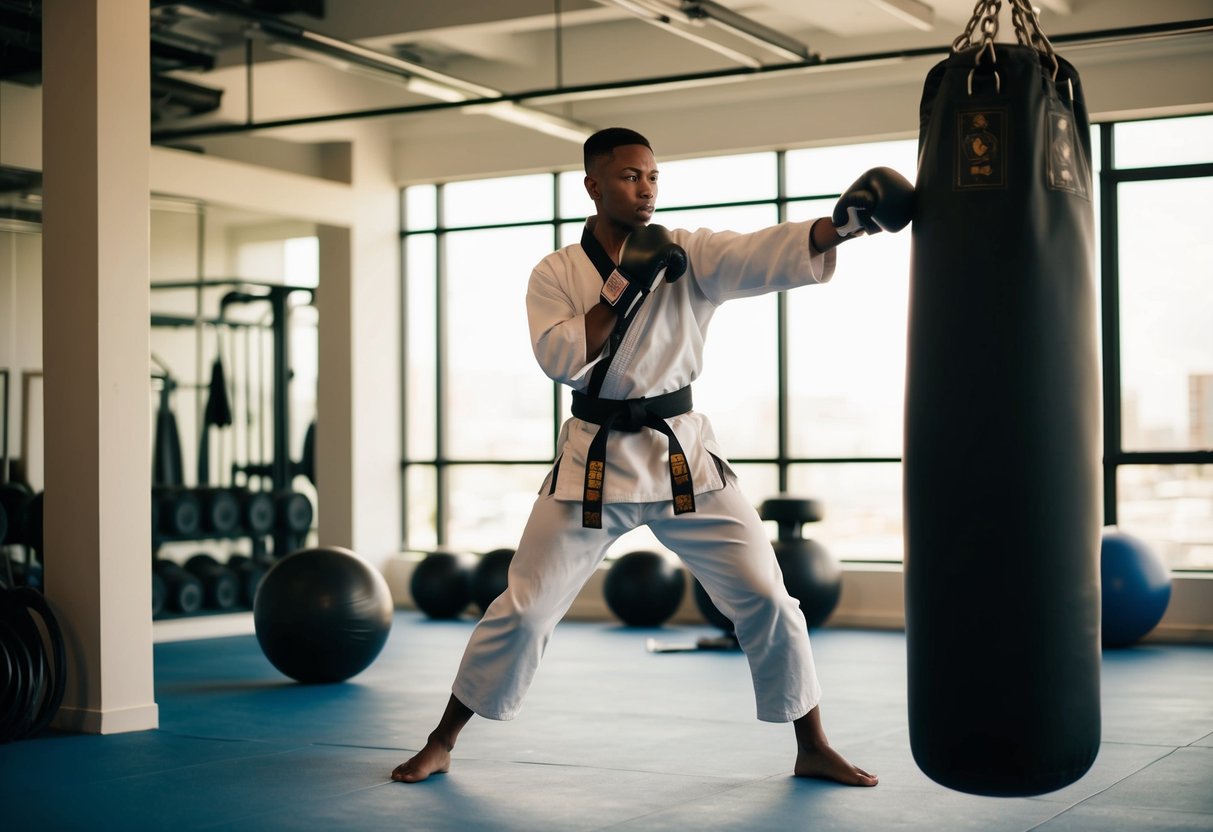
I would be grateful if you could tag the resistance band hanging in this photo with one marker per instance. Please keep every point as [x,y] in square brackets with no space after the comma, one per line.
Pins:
[1003,430]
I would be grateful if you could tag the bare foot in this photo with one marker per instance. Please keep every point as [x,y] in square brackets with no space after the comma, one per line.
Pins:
[435,758]
[827,764]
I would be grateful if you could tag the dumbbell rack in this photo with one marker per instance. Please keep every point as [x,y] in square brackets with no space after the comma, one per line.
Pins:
[290,512]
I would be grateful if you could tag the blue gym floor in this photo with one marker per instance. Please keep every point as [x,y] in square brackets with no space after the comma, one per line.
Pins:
[612,737]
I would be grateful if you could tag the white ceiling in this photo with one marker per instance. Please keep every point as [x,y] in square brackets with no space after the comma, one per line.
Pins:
[525,46]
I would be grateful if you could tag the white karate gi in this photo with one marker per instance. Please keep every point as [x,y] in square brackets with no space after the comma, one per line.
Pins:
[723,542]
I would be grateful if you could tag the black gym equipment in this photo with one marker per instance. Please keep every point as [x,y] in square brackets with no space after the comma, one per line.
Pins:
[220,510]
[220,586]
[33,664]
[159,593]
[218,413]
[322,615]
[183,592]
[441,584]
[491,577]
[14,497]
[269,510]
[31,522]
[166,445]
[256,511]
[811,574]
[1003,431]
[249,573]
[644,589]
[176,513]
[708,609]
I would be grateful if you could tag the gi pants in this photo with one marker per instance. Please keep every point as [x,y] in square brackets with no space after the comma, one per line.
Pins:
[723,543]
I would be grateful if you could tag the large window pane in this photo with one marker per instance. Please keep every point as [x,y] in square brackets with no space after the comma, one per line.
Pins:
[717,179]
[758,481]
[420,207]
[421,508]
[1172,141]
[421,354]
[489,504]
[862,508]
[738,389]
[1166,307]
[846,349]
[492,201]
[498,402]
[574,201]
[570,232]
[739,386]
[1170,507]
[742,218]
[831,170]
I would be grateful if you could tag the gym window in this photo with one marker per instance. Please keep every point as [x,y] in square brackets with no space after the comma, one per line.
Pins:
[804,389]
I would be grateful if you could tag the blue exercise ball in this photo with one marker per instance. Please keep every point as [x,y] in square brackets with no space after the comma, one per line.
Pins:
[1136,588]
[322,615]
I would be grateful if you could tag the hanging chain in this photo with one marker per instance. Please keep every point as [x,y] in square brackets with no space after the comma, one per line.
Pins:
[983,28]
[984,20]
[1029,33]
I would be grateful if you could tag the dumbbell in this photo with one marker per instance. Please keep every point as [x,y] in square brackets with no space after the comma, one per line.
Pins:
[220,511]
[249,574]
[256,511]
[31,531]
[182,591]
[176,512]
[293,512]
[159,591]
[220,587]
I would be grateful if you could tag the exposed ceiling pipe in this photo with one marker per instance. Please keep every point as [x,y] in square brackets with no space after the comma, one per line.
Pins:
[670,83]
[421,80]
[691,17]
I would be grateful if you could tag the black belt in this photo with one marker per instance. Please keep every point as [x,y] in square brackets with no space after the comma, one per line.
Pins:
[629,416]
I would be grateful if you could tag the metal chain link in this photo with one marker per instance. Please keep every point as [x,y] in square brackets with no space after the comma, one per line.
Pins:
[985,17]
[1029,33]
[984,21]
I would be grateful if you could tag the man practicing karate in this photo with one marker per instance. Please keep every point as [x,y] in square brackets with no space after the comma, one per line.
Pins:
[621,318]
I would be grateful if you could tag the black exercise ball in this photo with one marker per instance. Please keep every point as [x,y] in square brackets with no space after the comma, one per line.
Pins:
[812,576]
[441,584]
[490,577]
[322,615]
[644,589]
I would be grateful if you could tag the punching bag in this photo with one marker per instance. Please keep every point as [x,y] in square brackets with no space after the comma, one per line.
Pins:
[1003,434]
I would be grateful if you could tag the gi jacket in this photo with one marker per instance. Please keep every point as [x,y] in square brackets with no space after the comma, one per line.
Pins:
[662,350]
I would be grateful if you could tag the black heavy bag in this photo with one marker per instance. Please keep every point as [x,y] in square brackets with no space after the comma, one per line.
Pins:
[1003,434]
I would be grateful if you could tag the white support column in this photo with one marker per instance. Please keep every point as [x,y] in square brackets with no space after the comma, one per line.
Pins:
[95,357]
[335,389]
[358,407]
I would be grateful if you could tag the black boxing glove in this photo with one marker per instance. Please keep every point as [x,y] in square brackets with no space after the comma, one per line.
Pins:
[648,254]
[880,200]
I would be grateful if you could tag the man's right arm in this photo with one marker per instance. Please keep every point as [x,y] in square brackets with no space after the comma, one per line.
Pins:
[599,321]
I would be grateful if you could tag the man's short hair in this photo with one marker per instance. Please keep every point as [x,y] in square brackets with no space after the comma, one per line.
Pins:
[604,142]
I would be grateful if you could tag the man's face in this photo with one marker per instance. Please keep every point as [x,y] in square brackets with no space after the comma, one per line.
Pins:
[624,185]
